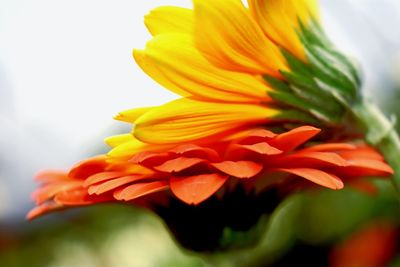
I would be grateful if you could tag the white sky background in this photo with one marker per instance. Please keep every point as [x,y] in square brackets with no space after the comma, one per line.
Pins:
[66,68]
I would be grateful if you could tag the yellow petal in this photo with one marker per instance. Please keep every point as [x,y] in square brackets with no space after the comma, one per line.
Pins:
[131,115]
[169,19]
[117,140]
[186,119]
[131,147]
[153,71]
[279,20]
[229,37]
[182,64]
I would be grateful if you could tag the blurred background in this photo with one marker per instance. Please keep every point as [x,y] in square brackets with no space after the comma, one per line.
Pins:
[65,70]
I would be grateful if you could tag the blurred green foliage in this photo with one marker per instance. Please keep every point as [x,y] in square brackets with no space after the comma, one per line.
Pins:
[101,236]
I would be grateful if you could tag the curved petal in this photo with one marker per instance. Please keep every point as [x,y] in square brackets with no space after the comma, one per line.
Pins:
[192,150]
[43,209]
[186,120]
[113,184]
[229,37]
[131,115]
[79,197]
[169,19]
[362,152]
[138,190]
[47,192]
[101,177]
[330,147]
[149,158]
[368,167]
[155,73]
[262,148]
[133,146]
[317,176]
[196,189]
[88,167]
[311,158]
[279,20]
[116,140]
[239,169]
[178,164]
[292,139]
[183,65]
[48,176]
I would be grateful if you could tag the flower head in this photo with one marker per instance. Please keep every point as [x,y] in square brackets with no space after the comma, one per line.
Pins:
[255,87]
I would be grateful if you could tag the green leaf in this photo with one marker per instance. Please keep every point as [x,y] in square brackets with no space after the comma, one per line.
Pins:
[335,68]
[294,115]
[326,62]
[295,64]
[306,88]
[335,93]
[277,84]
[292,100]
[322,69]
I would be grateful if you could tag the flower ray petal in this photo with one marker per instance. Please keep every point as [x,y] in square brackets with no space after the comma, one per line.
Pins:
[239,169]
[317,176]
[166,19]
[138,190]
[195,189]
[230,38]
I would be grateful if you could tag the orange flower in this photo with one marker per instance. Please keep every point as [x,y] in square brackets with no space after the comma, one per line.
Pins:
[194,172]
[237,71]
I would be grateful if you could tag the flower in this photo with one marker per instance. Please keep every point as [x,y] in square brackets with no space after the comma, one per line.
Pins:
[241,73]
[193,172]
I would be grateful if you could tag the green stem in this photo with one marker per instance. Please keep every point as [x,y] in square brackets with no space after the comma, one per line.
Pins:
[381,134]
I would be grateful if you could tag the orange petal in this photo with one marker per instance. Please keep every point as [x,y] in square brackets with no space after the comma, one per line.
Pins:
[114,183]
[294,138]
[262,133]
[78,197]
[42,209]
[255,136]
[239,169]
[362,153]
[319,177]
[331,147]
[262,148]
[195,151]
[149,158]
[178,164]
[101,177]
[48,176]
[196,189]
[370,167]
[303,158]
[138,190]
[88,167]
[45,193]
